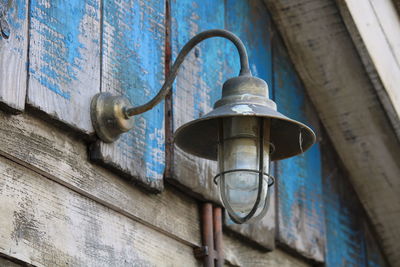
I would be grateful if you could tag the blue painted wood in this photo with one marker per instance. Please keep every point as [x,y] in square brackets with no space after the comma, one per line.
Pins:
[13,55]
[133,66]
[200,80]
[300,203]
[349,236]
[64,59]
[251,22]
[197,87]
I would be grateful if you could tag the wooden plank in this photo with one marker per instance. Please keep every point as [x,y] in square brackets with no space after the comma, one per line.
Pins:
[344,239]
[46,224]
[374,254]
[13,56]
[197,87]
[64,59]
[7,263]
[374,26]
[251,22]
[133,66]
[300,209]
[346,102]
[239,254]
[199,82]
[62,158]
[349,236]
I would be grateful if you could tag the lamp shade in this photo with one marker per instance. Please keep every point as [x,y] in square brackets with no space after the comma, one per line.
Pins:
[244,96]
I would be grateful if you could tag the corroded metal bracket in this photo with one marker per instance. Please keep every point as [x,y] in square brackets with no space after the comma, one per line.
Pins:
[108,116]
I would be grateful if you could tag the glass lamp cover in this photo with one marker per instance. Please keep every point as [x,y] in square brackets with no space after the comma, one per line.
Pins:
[240,149]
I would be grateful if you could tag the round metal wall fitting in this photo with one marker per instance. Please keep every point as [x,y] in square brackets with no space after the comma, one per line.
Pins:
[108,116]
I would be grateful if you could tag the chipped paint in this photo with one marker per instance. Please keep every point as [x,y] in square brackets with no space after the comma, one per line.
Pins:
[64,59]
[300,203]
[13,57]
[133,65]
[243,109]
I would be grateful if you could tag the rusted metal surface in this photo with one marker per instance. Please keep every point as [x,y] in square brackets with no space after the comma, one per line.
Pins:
[218,242]
[169,128]
[208,234]
[211,252]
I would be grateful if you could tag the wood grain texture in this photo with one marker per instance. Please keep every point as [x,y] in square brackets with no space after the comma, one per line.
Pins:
[7,263]
[299,179]
[374,26]
[350,239]
[239,254]
[198,86]
[64,59]
[58,156]
[133,66]
[46,224]
[251,22]
[13,57]
[334,76]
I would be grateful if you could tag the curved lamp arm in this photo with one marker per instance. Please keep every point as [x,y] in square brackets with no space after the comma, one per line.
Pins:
[244,66]
[113,115]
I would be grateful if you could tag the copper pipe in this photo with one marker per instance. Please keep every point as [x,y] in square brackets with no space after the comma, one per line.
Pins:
[208,235]
[219,259]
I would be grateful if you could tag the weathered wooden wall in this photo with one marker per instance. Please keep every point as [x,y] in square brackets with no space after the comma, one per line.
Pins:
[58,209]
[346,101]
[133,66]
[13,56]
[61,209]
[350,238]
[300,204]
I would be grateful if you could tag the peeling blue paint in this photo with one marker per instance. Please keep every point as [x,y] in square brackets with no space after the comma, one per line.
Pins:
[300,203]
[59,23]
[133,50]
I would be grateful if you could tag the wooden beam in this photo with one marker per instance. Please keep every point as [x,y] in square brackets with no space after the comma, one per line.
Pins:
[46,224]
[374,27]
[62,158]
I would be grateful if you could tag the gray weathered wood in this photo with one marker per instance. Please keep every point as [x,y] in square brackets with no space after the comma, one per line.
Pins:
[7,263]
[46,224]
[335,78]
[241,255]
[133,66]
[198,86]
[13,57]
[261,232]
[374,27]
[64,59]
[49,151]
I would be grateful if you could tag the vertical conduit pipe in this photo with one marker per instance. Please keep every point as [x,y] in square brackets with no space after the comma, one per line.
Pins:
[219,259]
[208,235]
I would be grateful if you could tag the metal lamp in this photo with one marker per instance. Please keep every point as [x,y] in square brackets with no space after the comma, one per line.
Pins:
[244,133]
